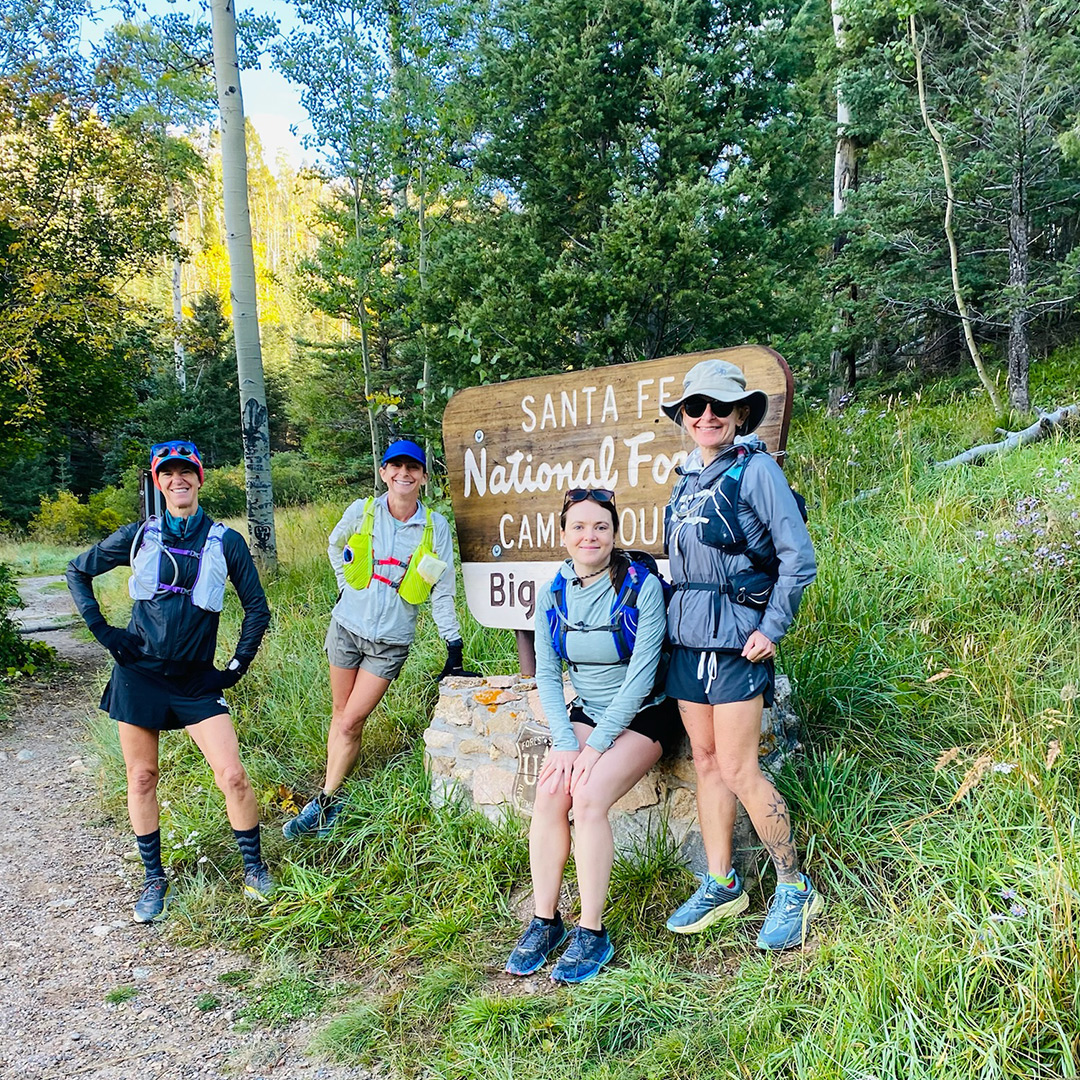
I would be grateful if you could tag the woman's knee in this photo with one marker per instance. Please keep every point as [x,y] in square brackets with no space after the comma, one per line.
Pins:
[706,762]
[233,778]
[142,779]
[349,724]
[590,808]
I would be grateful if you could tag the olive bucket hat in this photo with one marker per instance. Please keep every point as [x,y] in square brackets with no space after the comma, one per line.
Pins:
[719,380]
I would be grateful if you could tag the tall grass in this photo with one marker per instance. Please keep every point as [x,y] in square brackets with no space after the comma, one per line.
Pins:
[937,661]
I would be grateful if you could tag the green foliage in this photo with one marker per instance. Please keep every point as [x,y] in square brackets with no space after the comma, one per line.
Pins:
[223,494]
[935,804]
[119,994]
[18,655]
[63,519]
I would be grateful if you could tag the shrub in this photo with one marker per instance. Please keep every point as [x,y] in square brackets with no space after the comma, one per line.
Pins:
[17,655]
[62,520]
[223,495]
[295,480]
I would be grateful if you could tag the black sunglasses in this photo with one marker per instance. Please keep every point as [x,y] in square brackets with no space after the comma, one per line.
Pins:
[695,407]
[600,495]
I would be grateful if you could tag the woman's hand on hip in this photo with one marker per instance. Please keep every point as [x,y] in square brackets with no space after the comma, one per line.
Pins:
[558,768]
[583,767]
[758,647]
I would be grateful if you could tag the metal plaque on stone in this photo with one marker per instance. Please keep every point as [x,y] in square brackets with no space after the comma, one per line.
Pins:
[533,741]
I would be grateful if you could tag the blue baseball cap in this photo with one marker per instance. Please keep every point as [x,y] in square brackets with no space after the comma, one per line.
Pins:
[405,448]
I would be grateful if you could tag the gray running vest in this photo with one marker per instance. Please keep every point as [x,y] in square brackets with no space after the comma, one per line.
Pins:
[145,582]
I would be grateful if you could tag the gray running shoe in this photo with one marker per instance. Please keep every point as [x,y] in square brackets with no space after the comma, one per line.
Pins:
[258,883]
[710,903]
[587,954]
[532,950]
[790,912]
[153,901]
[312,819]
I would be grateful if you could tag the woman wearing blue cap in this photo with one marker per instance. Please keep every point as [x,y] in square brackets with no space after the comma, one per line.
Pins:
[389,554]
[164,677]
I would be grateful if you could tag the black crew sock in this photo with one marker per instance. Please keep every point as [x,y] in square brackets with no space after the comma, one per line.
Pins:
[150,851]
[595,933]
[247,840]
[550,922]
[327,799]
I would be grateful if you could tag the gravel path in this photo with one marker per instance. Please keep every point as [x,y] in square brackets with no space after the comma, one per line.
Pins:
[66,936]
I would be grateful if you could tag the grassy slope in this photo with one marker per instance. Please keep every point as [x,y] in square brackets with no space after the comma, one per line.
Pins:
[949,946]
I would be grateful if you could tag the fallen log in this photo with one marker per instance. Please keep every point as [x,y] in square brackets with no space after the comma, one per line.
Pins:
[1039,430]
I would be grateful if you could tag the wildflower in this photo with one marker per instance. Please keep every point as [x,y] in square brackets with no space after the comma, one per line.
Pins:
[1007,894]
[1069,692]
[1018,911]
[980,534]
[1004,766]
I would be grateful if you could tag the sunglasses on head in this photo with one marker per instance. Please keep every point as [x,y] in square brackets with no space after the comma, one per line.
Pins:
[174,449]
[695,407]
[604,496]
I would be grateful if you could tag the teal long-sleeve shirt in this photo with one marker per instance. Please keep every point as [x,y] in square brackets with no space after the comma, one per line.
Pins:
[609,692]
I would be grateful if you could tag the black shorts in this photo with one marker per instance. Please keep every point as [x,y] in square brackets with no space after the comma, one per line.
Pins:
[159,702]
[660,723]
[718,678]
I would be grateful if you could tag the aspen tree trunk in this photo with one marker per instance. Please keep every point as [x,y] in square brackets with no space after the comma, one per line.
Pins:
[845,179]
[254,419]
[950,203]
[179,357]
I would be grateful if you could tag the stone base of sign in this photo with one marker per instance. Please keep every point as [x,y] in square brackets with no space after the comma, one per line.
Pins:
[487,741]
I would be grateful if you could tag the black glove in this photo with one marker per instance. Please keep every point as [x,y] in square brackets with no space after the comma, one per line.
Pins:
[216,680]
[124,646]
[455,661]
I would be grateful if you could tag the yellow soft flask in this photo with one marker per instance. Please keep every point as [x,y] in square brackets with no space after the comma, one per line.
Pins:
[358,555]
[424,569]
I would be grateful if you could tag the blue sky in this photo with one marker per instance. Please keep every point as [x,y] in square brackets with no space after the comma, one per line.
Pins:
[270,102]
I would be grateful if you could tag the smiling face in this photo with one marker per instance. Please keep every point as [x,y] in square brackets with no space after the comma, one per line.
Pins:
[589,535]
[179,482]
[403,477]
[713,433]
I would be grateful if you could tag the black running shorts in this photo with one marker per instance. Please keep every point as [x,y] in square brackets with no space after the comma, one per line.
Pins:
[160,702]
[660,723]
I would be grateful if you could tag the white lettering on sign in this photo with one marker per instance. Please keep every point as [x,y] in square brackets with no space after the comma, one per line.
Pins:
[561,410]
[516,474]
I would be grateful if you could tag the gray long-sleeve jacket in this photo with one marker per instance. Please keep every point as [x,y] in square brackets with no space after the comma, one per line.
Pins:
[377,612]
[770,518]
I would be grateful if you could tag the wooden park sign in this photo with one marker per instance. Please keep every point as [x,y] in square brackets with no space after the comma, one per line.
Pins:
[513,449]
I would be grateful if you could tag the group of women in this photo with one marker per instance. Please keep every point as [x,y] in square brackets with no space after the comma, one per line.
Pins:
[740,557]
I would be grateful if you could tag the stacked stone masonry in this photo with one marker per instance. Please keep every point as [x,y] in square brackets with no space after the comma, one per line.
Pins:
[485,747]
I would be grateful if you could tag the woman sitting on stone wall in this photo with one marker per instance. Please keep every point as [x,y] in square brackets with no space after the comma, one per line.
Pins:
[604,616]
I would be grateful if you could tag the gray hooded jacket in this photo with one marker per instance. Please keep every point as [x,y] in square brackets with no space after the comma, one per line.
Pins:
[769,516]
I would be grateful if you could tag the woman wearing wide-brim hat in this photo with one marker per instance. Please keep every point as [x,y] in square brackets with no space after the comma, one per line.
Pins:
[740,559]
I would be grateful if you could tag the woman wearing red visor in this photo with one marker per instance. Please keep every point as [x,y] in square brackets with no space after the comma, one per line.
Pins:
[164,676]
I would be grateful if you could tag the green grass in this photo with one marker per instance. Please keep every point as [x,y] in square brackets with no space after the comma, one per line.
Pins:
[937,661]
[119,994]
[33,559]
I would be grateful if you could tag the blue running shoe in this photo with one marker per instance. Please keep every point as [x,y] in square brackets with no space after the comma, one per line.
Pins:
[584,957]
[312,819]
[790,912]
[710,903]
[258,883]
[537,943]
[153,901]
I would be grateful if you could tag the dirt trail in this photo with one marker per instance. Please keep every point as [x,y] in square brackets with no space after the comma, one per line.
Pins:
[67,938]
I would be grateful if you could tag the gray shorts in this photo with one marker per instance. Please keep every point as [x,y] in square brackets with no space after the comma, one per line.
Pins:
[344,649]
[719,679]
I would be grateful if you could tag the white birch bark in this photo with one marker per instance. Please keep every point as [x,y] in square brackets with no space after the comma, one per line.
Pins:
[254,418]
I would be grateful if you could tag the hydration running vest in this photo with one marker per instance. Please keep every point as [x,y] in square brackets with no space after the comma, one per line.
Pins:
[718,514]
[422,569]
[145,582]
[622,622]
